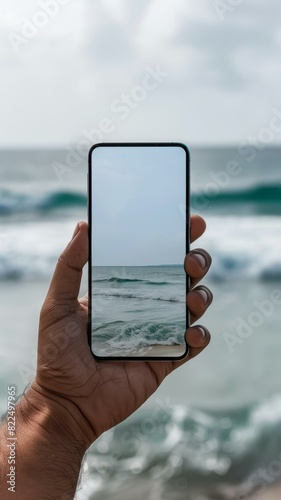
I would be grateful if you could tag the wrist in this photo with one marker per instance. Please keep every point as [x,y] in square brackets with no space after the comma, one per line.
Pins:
[60,417]
[50,447]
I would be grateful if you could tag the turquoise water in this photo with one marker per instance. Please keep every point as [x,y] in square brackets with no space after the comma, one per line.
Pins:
[135,307]
[257,200]
[215,421]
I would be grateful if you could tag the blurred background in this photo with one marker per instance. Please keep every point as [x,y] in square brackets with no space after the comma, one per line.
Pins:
[206,73]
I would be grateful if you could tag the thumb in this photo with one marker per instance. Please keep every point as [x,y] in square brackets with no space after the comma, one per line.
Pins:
[65,284]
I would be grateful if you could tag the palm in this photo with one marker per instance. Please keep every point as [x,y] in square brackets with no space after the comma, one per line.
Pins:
[105,392]
[78,377]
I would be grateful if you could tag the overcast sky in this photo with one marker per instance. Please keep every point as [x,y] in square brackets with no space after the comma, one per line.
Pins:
[220,80]
[138,199]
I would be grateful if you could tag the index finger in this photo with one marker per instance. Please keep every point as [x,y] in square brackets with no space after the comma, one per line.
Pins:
[197,227]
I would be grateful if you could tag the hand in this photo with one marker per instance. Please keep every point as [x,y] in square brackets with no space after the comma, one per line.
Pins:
[103,393]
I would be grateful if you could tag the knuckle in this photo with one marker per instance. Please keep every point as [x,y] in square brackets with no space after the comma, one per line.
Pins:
[47,310]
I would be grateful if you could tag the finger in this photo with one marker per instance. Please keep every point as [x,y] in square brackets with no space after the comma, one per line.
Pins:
[197,338]
[66,280]
[198,301]
[196,264]
[197,227]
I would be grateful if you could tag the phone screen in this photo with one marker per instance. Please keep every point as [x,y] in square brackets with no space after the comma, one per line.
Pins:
[139,231]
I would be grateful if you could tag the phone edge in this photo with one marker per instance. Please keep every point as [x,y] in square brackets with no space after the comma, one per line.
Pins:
[187,244]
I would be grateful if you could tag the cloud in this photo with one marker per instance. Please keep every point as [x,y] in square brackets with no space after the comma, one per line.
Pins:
[220,47]
[65,78]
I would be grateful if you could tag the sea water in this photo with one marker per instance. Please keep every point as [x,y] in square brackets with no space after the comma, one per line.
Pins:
[136,307]
[215,421]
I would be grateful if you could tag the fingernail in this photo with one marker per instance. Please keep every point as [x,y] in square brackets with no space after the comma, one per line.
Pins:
[203,332]
[76,230]
[201,259]
[203,294]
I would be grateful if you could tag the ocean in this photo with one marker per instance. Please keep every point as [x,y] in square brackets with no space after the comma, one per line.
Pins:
[136,308]
[213,429]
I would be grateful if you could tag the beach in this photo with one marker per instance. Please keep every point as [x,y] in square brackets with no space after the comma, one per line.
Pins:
[216,420]
[138,310]
[161,351]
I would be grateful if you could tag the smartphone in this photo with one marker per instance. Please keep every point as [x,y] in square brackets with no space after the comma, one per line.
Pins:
[138,211]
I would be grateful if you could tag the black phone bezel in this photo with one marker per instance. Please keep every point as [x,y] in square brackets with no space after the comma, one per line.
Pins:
[187,243]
